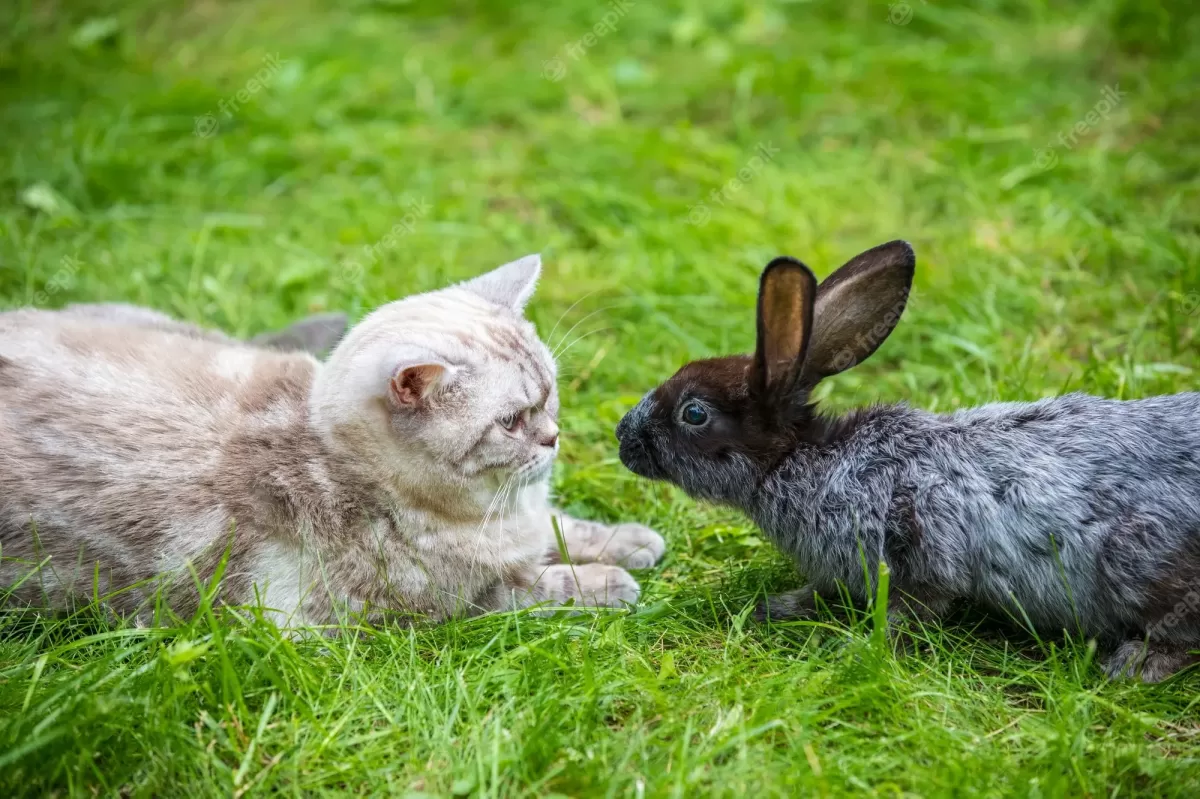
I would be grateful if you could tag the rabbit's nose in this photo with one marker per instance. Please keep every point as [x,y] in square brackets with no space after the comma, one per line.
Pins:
[633,419]
[625,427]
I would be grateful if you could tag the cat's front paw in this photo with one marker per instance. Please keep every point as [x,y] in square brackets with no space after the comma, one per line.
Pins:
[635,546]
[591,584]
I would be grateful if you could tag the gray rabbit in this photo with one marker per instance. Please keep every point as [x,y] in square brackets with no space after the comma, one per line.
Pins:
[1075,513]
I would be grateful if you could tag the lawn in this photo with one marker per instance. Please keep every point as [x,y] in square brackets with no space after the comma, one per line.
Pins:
[241,164]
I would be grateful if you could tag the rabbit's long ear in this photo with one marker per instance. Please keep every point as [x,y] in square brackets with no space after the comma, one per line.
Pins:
[786,293]
[857,308]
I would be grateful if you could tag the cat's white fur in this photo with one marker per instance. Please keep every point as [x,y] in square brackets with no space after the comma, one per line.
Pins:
[136,457]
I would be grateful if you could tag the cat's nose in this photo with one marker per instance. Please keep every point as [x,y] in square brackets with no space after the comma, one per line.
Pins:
[549,440]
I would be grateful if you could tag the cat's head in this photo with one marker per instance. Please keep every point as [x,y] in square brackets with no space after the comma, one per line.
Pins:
[452,388]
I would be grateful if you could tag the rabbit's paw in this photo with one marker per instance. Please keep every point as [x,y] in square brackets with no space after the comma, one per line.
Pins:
[633,546]
[799,604]
[1150,662]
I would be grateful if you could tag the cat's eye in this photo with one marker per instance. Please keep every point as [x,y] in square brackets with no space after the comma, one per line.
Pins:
[510,422]
[694,414]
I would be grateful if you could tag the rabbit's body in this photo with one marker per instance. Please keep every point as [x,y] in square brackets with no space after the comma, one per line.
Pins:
[1074,513]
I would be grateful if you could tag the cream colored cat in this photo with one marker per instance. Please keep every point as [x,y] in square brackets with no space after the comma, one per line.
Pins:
[315,334]
[409,474]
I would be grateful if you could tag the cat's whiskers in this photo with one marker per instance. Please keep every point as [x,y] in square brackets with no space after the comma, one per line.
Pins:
[509,488]
[516,483]
[497,503]
[564,350]
[565,336]
[563,315]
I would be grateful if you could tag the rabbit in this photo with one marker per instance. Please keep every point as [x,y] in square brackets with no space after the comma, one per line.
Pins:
[1074,512]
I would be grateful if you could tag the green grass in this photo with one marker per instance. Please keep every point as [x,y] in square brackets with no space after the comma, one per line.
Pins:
[1031,280]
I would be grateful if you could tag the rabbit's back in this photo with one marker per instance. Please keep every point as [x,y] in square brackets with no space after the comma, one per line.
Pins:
[1083,511]
[1087,510]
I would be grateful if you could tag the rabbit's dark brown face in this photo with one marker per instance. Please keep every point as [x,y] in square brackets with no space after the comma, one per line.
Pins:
[718,426]
[704,431]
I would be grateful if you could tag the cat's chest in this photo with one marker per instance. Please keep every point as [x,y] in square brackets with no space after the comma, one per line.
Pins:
[520,531]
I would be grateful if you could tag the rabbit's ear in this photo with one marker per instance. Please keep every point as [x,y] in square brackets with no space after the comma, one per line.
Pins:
[857,307]
[786,293]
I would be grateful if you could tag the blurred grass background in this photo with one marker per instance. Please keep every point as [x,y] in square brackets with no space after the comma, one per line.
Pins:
[241,164]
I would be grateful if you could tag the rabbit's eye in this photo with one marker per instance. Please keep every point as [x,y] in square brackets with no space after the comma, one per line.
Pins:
[694,414]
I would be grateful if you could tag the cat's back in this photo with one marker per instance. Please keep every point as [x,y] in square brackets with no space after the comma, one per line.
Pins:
[112,436]
[134,384]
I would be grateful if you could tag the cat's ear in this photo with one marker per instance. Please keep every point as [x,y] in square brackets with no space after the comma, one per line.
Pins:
[413,384]
[315,335]
[510,285]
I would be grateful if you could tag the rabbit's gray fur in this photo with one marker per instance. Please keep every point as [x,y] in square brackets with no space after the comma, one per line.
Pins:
[1078,508]
[1074,513]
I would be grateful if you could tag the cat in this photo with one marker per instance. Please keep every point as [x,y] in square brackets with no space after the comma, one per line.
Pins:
[317,334]
[407,476]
